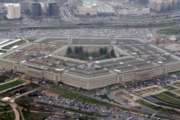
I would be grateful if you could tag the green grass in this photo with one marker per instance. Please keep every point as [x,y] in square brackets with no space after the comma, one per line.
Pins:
[170,87]
[170,31]
[177,84]
[10,84]
[34,115]
[76,95]
[167,98]
[7,116]
[162,112]
[4,78]
[2,104]
[2,51]
[175,72]
[149,105]
[4,107]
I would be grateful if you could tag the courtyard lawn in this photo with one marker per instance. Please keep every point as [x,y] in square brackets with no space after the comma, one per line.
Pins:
[10,84]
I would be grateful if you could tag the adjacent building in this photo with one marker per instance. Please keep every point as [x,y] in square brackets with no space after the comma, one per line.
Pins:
[52,9]
[36,9]
[13,10]
[163,5]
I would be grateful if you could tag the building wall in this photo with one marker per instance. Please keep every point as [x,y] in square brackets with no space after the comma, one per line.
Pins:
[128,76]
[91,82]
[149,73]
[102,81]
[54,76]
[75,81]
[33,72]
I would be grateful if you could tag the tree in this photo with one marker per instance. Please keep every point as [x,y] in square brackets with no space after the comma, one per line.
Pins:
[69,51]
[78,50]
[112,53]
[81,50]
[103,51]
[25,102]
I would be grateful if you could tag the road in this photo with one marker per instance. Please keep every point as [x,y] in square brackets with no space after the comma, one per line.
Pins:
[16,112]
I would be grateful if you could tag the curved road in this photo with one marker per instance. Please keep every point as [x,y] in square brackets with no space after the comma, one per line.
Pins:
[16,112]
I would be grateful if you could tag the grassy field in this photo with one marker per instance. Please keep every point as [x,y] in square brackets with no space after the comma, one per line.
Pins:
[35,115]
[170,31]
[177,84]
[7,116]
[76,95]
[11,84]
[161,112]
[4,107]
[169,98]
[5,112]
[177,92]
[169,87]
[142,102]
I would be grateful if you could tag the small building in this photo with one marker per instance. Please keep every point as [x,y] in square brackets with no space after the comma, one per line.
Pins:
[53,9]
[36,9]
[163,5]
[94,8]
[13,10]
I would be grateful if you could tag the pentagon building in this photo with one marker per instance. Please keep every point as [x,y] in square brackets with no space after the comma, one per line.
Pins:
[47,59]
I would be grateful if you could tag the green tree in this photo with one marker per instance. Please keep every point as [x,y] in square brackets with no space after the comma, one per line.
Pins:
[69,51]
[103,51]
[112,53]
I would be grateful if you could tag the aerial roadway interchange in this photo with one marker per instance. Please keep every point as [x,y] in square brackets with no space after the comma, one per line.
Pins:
[123,67]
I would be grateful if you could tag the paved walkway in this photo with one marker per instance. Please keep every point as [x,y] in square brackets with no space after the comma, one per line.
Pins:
[16,112]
